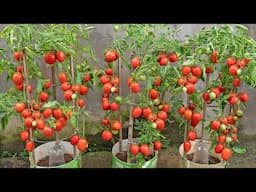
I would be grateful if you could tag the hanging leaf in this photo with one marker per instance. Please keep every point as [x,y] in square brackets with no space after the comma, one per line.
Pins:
[239,149]
[51,105]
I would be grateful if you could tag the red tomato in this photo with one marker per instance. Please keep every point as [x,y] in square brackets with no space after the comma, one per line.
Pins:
[153,94]
[173,57]
[82,144]
[226,154]
[47,84]
[136,112]
[19,107]
[186,70]
[110,56]
[81,103]
[196,71]
[43,96]
[24,135]
[214,56]
[74,139]
[215,125]
[17,78]
[231,61]
[134,149]
[145,150]
[157,145]
[47,113]
[57,113]
[135,62]
[219,148]
[63,77]
[116,125]
[30,146]
[18,55]
[186,146]
[135,87]
[106,135]
[50,58]
[60,56]
[192,135]
[188,114]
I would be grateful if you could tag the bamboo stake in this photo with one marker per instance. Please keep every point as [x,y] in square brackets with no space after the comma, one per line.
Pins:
[28,102]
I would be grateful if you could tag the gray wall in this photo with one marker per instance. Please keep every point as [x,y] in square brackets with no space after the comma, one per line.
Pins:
[101,39]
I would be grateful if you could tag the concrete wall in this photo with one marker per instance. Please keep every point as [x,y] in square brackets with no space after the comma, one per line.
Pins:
[101,39]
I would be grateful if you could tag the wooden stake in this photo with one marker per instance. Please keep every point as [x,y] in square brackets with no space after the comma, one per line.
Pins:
[120,94]
[28,103]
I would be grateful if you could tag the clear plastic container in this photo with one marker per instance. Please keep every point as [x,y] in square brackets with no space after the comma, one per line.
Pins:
[56,155]
[201,153]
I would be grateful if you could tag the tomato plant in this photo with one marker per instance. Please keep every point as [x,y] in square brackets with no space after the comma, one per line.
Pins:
[225,56]
[56,47]
[150,54]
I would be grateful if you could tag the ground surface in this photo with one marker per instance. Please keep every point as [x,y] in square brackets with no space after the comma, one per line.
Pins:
[168,158]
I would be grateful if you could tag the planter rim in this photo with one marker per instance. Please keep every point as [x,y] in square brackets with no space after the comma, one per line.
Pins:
[181,151]
[131,164]
[59,166]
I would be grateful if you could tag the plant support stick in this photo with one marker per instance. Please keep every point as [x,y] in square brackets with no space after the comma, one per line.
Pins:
[130,128]
[54,97]
[120,115]
[29,104]
[74,100]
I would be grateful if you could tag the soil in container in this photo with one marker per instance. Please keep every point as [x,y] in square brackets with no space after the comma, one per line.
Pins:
[212,160]
[45,161]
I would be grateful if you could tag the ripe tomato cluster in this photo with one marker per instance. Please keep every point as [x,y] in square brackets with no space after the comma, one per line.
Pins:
[47,119]
[110,86]
[224,127]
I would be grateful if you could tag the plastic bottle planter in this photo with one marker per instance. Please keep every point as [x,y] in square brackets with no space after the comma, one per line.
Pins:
[42,151]
[191,164]
[117,163]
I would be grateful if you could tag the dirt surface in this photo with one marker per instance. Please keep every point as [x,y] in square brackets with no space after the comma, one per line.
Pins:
[99,153]
[212,160]
[45,162]
[14,162]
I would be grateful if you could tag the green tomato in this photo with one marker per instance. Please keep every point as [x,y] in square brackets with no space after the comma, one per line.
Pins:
[156,101]
[239,71]
[166,85]
[223,127]
[154,125]
[33,123]
[142,77]
[235,117]
[184,89]
[74,96]
[239,113]
[212,95]
[118,99]
[116,27]
[114,132]
[160,107]
[113,89]
[228,139]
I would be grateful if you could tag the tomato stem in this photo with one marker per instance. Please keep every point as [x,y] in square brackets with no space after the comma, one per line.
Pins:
[120,115]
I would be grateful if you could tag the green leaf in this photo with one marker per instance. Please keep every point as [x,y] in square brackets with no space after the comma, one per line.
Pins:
[188,62]
[4,121]
[51,105]
[239,149]
[79,78]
